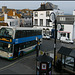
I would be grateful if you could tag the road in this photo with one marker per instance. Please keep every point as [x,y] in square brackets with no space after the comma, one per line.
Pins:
[27,63]
[22,65]
[48,45]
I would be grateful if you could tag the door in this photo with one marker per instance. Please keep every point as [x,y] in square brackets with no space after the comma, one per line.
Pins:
[16,50]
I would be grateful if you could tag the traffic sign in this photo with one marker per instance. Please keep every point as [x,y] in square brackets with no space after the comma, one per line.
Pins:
[52,17]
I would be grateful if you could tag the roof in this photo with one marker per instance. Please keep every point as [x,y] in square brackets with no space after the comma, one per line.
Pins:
[44,58]
[48,6]
[27,16]
[67,51]
[66,16]
[23,28]
[64,51]
[2,18]
[18,15]
[10,13]
[65,22]
[10,17]
[3,24]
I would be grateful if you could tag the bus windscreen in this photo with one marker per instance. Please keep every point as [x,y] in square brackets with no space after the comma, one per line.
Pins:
[6,32]
[5,47]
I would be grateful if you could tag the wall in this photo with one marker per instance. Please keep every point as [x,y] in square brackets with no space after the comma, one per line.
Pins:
[15,22]
[41,15]
[67,28]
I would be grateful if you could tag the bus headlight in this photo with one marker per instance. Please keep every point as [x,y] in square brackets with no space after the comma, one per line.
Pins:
[10,55]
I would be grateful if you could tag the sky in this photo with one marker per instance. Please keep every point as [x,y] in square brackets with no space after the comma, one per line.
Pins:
[66,6]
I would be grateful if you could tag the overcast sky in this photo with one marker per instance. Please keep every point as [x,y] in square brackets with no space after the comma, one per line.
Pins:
[66,6]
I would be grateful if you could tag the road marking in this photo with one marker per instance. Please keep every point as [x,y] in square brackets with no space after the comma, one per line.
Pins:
[15,62]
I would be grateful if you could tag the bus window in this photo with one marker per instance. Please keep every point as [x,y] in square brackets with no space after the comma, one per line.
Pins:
[18,34]
[21,46]
[24,33]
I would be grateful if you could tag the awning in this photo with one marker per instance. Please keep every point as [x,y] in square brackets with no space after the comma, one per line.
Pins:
[67,51]
[44,58]
[64,51]
[64,32]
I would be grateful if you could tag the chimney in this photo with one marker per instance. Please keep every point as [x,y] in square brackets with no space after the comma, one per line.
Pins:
[4,8]
[43,6]
[5,17]
[13,12]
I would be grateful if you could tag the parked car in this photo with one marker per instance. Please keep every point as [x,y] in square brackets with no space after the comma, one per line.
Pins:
[47,36]
[44,36]
[66,40]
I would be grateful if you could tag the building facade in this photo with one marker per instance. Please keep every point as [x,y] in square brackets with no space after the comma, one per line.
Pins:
[15,18]
[41,17]
[66,27]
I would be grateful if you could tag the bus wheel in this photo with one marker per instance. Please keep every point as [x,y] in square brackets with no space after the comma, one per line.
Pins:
[21,54]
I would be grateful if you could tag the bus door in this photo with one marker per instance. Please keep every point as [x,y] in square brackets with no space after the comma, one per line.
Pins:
[16,50]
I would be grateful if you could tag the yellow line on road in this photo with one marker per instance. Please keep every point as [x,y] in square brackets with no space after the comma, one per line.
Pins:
[15,62]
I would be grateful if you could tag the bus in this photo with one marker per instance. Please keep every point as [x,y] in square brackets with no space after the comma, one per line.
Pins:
[17,41]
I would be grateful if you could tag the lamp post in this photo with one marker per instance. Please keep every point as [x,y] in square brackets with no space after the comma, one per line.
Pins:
[37,49]
[37,52]
[52,18]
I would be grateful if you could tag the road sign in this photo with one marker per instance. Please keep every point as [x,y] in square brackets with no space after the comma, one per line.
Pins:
[52,17]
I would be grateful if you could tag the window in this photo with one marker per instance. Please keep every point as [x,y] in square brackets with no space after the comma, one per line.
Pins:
[23,33]
[47,23]
[62,28]
[62,18]
[18,34]
[36,14]
[11,23]
[69,19]
[41,22]
[16,23]
[63,34]
[47,13]
[68,35]
[36,21]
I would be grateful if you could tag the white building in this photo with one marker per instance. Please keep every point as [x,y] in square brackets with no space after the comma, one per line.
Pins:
[74,12]
[66,27]
[15,18]
[41,17]
[11,21]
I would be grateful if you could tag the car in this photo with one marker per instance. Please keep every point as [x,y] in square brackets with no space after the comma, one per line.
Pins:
[66,40]
[44,36]
[47,36]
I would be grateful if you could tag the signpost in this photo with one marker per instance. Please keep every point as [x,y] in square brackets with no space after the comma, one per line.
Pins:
[52,18]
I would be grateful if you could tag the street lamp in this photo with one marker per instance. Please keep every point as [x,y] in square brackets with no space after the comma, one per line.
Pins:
[37,48]
[52,19]
[37,52]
